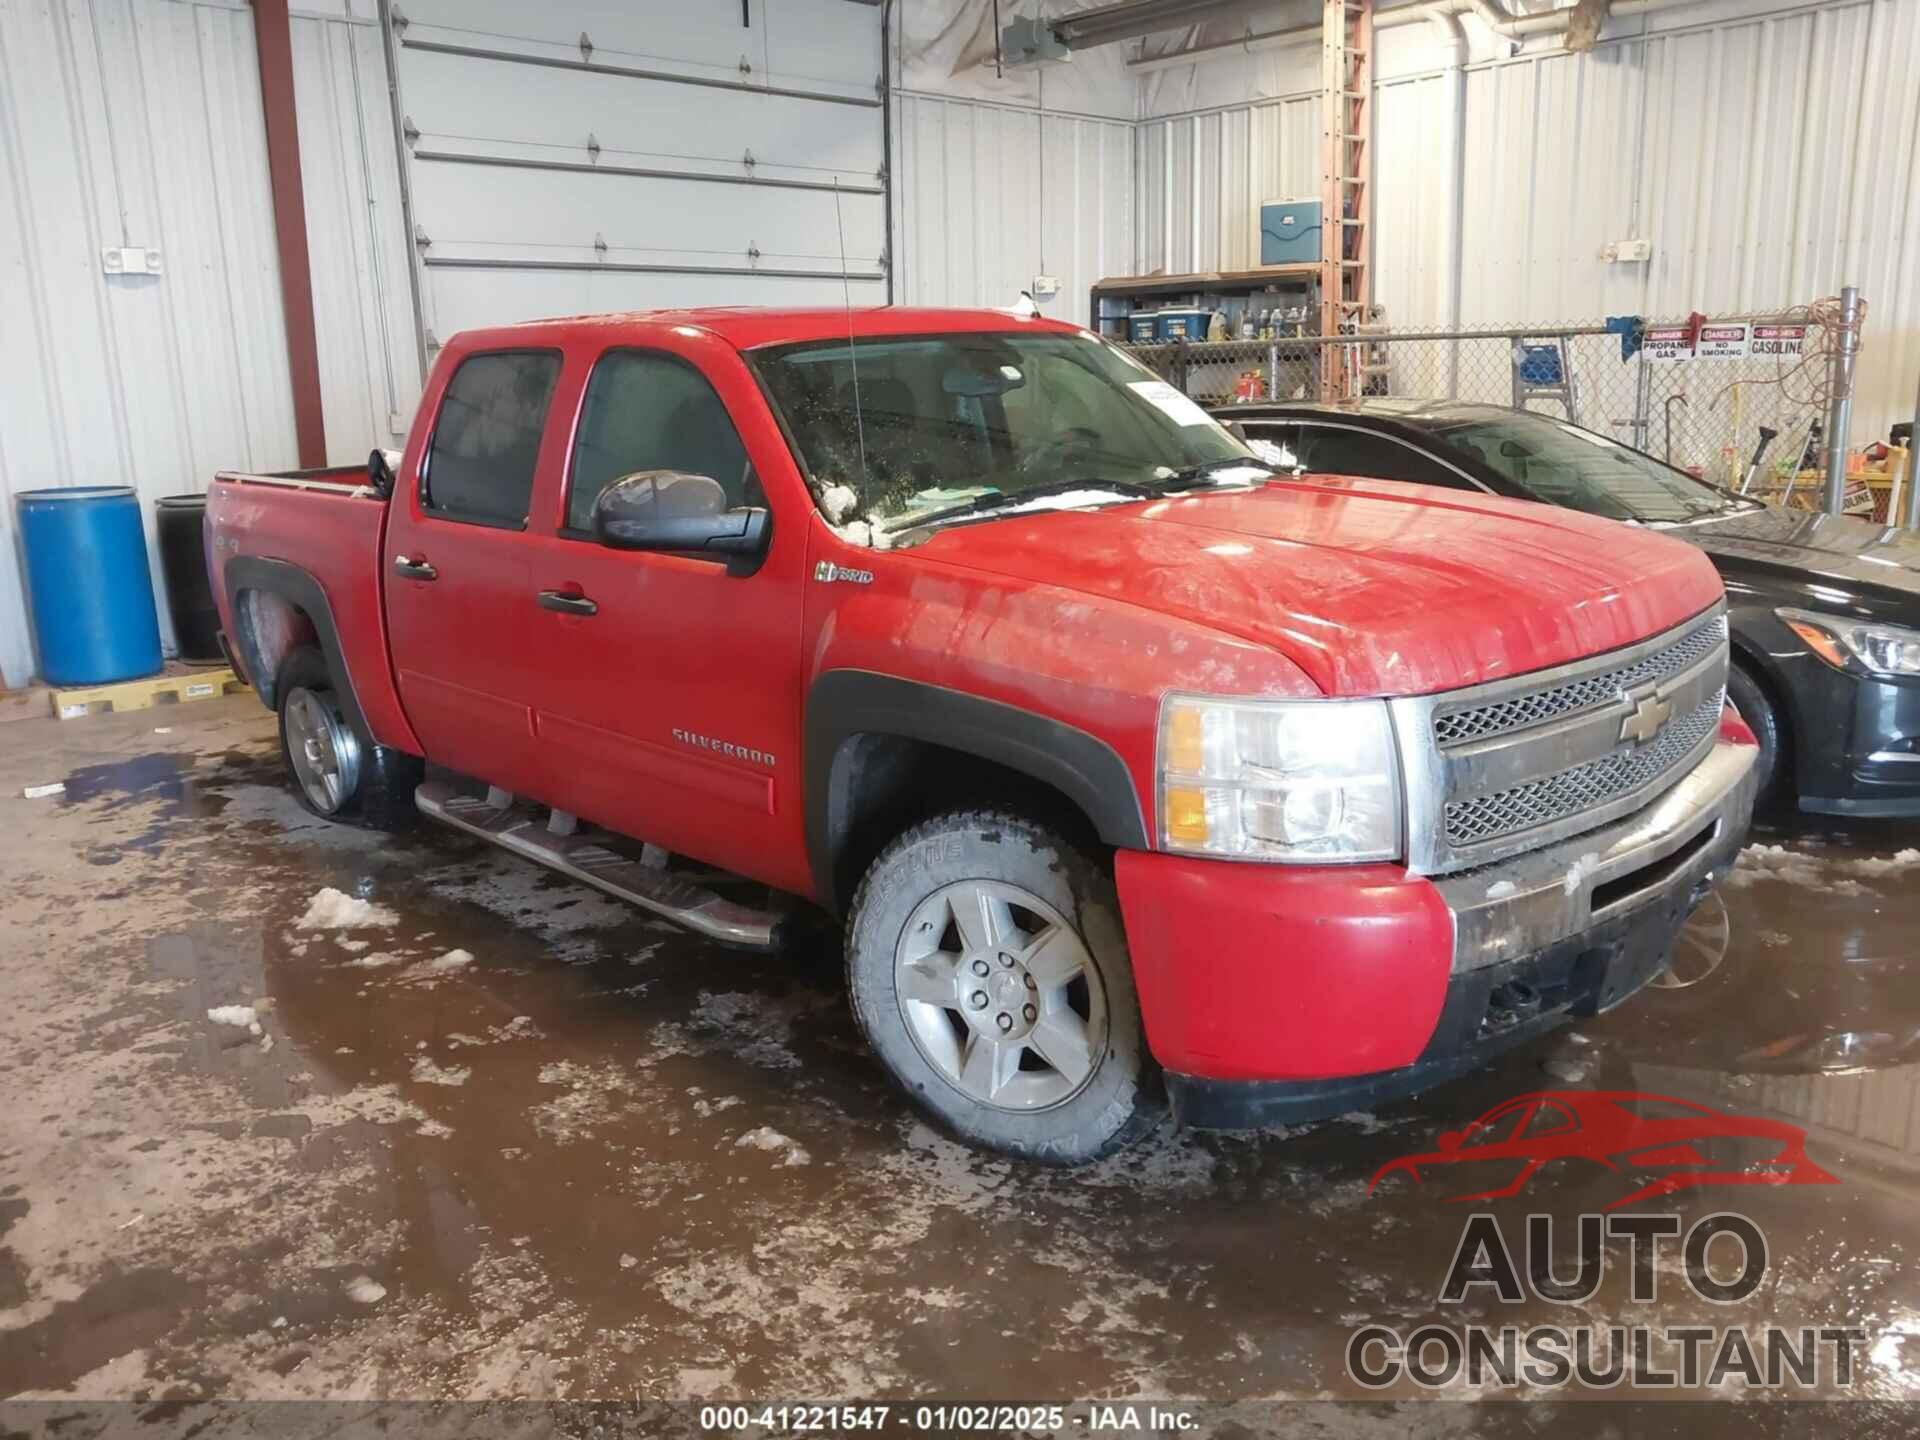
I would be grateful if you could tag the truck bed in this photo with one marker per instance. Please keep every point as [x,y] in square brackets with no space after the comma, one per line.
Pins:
[328,525]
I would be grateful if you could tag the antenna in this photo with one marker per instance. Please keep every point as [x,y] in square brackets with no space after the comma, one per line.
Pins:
[853,356]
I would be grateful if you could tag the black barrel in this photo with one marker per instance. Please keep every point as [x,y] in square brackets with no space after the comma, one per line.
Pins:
[181,521]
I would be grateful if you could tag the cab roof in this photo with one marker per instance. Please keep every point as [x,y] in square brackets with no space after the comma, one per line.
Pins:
[748,327]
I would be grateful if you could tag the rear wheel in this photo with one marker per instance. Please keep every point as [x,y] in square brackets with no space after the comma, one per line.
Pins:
[988,969]
[336,774]
[1756,707]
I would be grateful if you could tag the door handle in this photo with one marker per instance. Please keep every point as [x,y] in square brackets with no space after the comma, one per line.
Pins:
[414,569]
[566,602]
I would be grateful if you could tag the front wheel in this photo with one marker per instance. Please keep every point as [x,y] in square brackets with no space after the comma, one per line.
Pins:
[336,775]
[1756,708]
[988,968]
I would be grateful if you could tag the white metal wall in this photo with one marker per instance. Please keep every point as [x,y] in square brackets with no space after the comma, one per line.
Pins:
[138,122]
[1769,157]
[687,158]
[1200,180]
[989,196]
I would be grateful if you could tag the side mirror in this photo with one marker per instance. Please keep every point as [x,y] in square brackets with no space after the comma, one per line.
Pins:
[1449,1141]
[665,510]
[379,473]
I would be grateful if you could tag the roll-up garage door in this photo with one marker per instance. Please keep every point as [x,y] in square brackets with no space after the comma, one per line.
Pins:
[582,156]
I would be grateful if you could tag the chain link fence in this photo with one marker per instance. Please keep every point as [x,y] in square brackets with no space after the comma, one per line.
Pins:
[1702,401]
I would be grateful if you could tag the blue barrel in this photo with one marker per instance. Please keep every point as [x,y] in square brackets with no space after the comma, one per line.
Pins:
[92,591]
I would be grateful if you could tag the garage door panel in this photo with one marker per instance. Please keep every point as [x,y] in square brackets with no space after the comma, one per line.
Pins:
[516,216]
[637,122]
[516,211]
[464,299]
[825,44]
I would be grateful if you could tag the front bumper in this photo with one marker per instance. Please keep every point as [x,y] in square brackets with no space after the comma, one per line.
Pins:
[1858,740]
[1277,993]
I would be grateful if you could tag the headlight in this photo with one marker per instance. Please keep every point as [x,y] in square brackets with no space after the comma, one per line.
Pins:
[1837,639]
[1308,781]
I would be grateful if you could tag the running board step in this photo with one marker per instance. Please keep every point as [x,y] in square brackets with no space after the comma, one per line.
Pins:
[582,858]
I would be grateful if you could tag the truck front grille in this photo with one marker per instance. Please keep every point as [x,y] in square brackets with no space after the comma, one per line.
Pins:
[1516,764]
[1589,692]
[1582,788]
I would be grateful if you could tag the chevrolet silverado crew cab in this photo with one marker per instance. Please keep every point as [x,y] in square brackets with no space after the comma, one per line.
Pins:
[1135,769]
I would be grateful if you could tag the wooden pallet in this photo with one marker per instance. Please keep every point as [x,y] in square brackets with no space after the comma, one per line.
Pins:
[177,684]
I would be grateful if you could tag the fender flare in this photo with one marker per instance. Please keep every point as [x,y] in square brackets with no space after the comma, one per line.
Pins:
[291,583]
[845,703]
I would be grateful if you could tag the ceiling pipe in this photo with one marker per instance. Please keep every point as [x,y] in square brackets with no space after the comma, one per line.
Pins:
[1440,12]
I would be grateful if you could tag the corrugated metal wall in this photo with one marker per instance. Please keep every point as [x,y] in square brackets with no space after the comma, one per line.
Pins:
[987,196]
[138,122]
[1769,158]
[1200,180]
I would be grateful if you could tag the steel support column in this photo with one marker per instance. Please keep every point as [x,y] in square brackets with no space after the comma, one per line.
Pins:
[273,41]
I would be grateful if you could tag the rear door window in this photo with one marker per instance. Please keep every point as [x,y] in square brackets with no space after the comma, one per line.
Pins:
[486,440]
[647,411]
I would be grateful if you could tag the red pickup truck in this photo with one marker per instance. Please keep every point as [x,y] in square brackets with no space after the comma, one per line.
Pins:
[1136,769]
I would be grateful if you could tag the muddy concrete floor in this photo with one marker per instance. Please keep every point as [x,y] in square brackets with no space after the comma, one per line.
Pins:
[496,1135]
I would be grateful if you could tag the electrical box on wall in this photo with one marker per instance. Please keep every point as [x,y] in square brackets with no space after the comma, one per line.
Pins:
[1627,252]
[129,260]
[1045,287]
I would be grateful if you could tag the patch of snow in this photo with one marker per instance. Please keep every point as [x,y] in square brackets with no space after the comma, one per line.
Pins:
[433,1129]
[1068,500]
[452,960]
[1571,1071]
[769,1139]
[1874,867]
[1579,870]
[1501,889]
[365,1290]
[379,960]
[837,502]
[425,1072]
[40,792]
[858,533]
[332,909]
[627,1262]
[353,947]
[241,1017]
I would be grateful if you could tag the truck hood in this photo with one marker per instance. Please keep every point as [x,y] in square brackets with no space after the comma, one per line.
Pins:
[1370,586]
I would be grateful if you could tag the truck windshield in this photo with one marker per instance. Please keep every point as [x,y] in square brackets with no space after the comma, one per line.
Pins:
[1565,465]
[961,424]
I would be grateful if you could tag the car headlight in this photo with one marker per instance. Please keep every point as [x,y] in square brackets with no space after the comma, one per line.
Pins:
[1307,781]
[1840,639]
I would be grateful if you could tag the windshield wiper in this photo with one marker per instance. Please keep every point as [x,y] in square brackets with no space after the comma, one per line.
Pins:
[1006,500]
[1193,474]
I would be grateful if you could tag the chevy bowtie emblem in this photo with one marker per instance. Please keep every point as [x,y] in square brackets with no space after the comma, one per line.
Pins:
[1650,713]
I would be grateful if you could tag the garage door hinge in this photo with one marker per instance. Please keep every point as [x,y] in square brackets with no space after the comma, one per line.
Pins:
[433,341]
[409,131]
[748,161]
[421,238]
[400,21]
[600,245]
[593,147]
[753,254]
[745,68]
[586,47]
